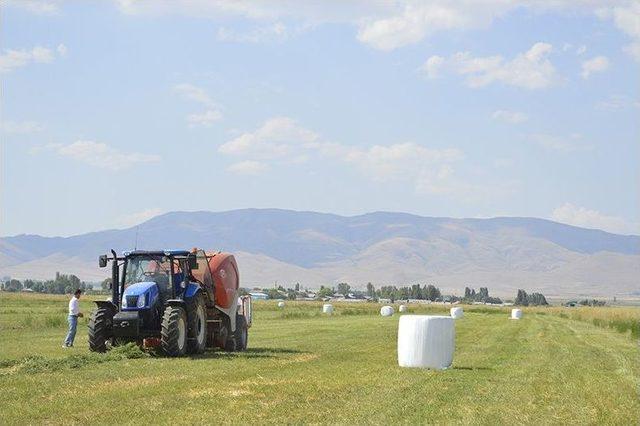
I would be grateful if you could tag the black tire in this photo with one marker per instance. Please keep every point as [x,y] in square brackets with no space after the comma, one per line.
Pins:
[197,317]
[229,343]
[100,331]
[173,337]
[242,333]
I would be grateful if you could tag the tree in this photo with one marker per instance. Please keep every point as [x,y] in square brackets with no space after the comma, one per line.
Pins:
[416,291]
[537,299]
[13,285]
[297,287]
[344,288]
[432,293]
[324,292]
[273,293]
[371,290]
[291,294]
[522,299]
[467,293]
[106,284]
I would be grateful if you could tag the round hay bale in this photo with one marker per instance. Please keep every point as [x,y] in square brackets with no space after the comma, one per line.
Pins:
[281,304]
[386,311]
[403,308]
[457,313]
[327,308]
[516,314]
[426,341]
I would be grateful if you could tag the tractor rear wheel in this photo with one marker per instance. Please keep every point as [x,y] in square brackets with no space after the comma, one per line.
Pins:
[197,316]
[228,341]
[242,333]
[100,330]
[174,331]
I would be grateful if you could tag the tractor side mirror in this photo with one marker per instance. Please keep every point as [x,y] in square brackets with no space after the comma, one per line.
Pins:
[102,261]
[193,261]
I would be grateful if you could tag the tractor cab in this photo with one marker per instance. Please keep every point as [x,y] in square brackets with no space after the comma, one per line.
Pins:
[148,276]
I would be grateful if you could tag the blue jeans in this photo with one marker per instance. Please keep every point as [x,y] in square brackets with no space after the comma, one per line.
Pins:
[71,335]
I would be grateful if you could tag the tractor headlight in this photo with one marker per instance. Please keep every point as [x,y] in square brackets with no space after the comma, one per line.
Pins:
[142,301]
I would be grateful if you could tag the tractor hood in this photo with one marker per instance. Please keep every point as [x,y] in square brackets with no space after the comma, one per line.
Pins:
[142,295]
[138,289]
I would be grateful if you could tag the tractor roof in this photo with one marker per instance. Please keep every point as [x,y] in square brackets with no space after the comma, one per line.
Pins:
[156,253]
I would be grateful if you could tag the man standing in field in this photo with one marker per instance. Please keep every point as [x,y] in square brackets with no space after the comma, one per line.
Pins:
[74,314]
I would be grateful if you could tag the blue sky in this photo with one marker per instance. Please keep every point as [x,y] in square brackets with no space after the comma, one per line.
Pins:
[113,112]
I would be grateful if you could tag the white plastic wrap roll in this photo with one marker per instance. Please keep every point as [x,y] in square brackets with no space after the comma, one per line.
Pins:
[403,308]
[426,341]
[516,313]
[327,308]
[386,311]
[457,313]
[280,304]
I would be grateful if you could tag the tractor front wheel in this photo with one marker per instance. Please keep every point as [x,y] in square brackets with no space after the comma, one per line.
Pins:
[100,334]
[174,331]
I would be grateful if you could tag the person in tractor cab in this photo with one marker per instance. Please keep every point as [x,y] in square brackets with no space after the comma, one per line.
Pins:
[74,314]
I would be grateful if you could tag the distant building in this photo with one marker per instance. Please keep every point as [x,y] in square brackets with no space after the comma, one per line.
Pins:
[258,295]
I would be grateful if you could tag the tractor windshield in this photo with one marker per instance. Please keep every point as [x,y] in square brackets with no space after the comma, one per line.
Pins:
[148,268]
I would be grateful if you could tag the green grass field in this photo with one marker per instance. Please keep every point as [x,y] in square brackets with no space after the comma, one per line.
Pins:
[303,367]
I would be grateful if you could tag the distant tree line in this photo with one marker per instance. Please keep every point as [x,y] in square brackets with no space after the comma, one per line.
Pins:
[533,299]
[62,284]
[592,302]
[482,296]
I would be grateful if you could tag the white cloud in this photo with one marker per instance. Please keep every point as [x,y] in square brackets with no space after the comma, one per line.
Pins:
[625,16]
[23,127]
[401,161]
[61,49]
[580,216]
[248,167]
[559,143]
[205,119]
[432,66]
[194,93]
[412,21]
[12,59]
[136,218]
[101,155]
[385,25]
[199,95]
[276,138]
[284,141]
[581,50]
[34,6]
[594,65]
[274,32]
[617,102]
[529,70]
[511,117]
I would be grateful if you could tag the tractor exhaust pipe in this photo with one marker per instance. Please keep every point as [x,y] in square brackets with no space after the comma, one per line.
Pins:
[115,280]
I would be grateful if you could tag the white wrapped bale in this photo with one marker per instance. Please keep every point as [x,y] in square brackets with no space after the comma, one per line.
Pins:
[403,308]
[386,311]
[516,314]
[426,341]
[457,313]
[327,308]
[281,304]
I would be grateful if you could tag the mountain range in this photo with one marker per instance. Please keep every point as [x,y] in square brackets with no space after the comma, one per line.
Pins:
[284,247]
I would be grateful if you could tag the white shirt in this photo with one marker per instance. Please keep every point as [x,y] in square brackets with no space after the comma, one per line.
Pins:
[74,306]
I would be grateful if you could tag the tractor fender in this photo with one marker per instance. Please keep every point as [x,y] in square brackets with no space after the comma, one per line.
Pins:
[191,290]
[107,304]
[177,302]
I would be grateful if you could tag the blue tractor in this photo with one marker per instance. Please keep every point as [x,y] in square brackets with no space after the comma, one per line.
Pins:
[183,301]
